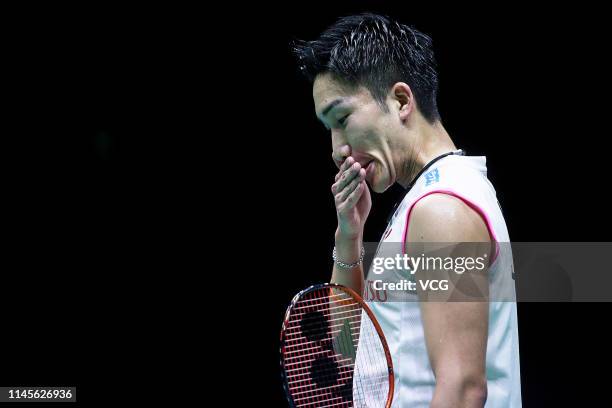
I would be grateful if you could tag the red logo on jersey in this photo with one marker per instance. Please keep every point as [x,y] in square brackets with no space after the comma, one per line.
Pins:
[373,295]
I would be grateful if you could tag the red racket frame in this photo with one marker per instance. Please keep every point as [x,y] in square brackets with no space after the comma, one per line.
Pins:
[370,314]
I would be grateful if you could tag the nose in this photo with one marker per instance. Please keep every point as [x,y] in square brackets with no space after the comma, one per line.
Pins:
[340,148]
[340,153]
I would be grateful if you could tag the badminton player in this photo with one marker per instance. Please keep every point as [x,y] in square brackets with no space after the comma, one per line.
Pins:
[374,88]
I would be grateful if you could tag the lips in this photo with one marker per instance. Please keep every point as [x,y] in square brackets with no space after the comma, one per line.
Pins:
[366,163]
[370,168]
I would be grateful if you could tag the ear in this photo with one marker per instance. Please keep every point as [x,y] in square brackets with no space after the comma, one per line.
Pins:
[403,98]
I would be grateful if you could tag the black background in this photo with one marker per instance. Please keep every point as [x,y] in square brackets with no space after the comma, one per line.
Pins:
[145,145]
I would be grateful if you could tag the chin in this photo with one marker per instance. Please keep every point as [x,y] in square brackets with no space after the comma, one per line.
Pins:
[380,186]
[380,189]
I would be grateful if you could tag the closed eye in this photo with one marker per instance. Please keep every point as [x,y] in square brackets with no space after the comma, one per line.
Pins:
[342,120]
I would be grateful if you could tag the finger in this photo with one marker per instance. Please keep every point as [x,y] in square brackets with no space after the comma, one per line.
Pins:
[342,195]
[345,165]
[353,198]
[346,178]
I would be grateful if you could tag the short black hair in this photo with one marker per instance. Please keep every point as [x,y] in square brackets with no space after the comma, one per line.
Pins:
[376,52]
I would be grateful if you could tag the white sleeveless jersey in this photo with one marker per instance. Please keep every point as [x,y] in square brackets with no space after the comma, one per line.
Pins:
[464,177]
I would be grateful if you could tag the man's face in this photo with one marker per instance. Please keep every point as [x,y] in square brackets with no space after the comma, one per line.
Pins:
[359,128]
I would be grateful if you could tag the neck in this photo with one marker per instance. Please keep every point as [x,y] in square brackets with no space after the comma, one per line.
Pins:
[430,142]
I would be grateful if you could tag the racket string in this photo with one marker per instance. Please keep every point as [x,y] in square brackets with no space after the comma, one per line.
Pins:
[340,380]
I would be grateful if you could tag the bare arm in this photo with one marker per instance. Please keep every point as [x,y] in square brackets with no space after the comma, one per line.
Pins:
[455,331]
[353,203]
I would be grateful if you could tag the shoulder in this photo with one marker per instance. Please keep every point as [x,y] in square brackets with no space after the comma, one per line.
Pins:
[440,217]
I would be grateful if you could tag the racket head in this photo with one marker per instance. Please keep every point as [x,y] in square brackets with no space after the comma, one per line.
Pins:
[334,352]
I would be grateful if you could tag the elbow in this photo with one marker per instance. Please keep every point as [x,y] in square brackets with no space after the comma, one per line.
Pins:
[475,393]
[466,391]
